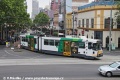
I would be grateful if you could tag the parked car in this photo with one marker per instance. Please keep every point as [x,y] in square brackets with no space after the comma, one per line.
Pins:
[2,42]
[110,70]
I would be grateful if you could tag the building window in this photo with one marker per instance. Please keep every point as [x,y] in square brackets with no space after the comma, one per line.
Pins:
[82,22]
[68,23]
[92,23]
[107,23]
[79,23]
[87,23]
[118,24]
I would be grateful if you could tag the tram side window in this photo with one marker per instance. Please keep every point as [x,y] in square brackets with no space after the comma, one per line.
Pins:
[51,42]
[82,45]
[26,39]
[45,42]
[35,40]
[90,45]
[74,44]
[56,42]
[22,38]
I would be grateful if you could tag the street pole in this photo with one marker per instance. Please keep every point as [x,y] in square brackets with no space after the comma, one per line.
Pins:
[64,16]
[73,22]
[110,28]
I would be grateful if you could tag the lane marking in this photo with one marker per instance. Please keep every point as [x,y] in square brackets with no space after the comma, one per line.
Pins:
[20,56]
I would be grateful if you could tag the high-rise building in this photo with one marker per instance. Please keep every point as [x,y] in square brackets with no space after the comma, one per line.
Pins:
[25,2]
[58,7]
[35,8]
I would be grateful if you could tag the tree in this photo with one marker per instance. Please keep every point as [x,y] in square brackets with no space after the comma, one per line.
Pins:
[14,12]
[41,19]
[117,14]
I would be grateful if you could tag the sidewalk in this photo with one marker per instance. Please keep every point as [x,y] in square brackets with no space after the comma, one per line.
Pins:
[114,52]
[14,46]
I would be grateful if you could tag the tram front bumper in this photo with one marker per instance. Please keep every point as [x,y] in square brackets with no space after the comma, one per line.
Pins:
[100,55]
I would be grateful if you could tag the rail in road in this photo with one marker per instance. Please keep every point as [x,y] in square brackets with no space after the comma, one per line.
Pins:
[106,59]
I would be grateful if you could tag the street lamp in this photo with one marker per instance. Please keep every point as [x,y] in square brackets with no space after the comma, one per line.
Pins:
[110,27]
[5,30]
[74,19]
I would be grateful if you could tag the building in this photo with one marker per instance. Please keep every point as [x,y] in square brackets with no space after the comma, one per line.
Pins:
[55,4]
[94,21]
[58,7]
[35,8]
[72,6]
[77,3]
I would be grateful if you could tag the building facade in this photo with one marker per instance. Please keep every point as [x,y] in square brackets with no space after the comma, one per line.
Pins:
[35,8]
[71,19]
[94,22]
[55,4]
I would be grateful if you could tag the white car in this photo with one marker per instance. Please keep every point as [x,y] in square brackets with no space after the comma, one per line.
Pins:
[110,70]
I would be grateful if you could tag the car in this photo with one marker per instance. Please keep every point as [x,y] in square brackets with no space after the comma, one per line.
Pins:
[110,70]
[2,42]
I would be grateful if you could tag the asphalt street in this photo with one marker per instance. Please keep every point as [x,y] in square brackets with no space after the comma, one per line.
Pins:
[77,71]
[26,64]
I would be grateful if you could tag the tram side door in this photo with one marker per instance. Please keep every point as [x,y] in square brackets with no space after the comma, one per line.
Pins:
[32,44]
[67,48]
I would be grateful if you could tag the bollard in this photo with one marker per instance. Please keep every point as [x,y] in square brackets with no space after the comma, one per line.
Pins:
[6,44]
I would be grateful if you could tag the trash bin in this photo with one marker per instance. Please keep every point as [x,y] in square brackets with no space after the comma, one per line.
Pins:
[112,46]
[108,47]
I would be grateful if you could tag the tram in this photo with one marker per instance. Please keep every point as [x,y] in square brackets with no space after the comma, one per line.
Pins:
[65,46]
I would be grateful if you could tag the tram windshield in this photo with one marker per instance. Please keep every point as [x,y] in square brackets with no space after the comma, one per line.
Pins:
[97,46]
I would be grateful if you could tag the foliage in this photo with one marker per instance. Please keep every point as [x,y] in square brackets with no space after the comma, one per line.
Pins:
[55,33]
[14,12]
[117,14]
[41,19]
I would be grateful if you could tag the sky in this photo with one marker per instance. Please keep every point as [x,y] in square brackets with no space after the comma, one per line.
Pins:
[42,3]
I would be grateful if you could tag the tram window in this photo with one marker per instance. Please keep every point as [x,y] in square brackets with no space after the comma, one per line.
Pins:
[51,42]
[22,38]
[56,42]
[45,42]
[82,45]
[26,39]
[74,44]
[35,40]
[90,45]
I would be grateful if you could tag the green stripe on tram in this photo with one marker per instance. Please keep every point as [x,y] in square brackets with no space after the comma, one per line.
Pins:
[29,36]
[71,39]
